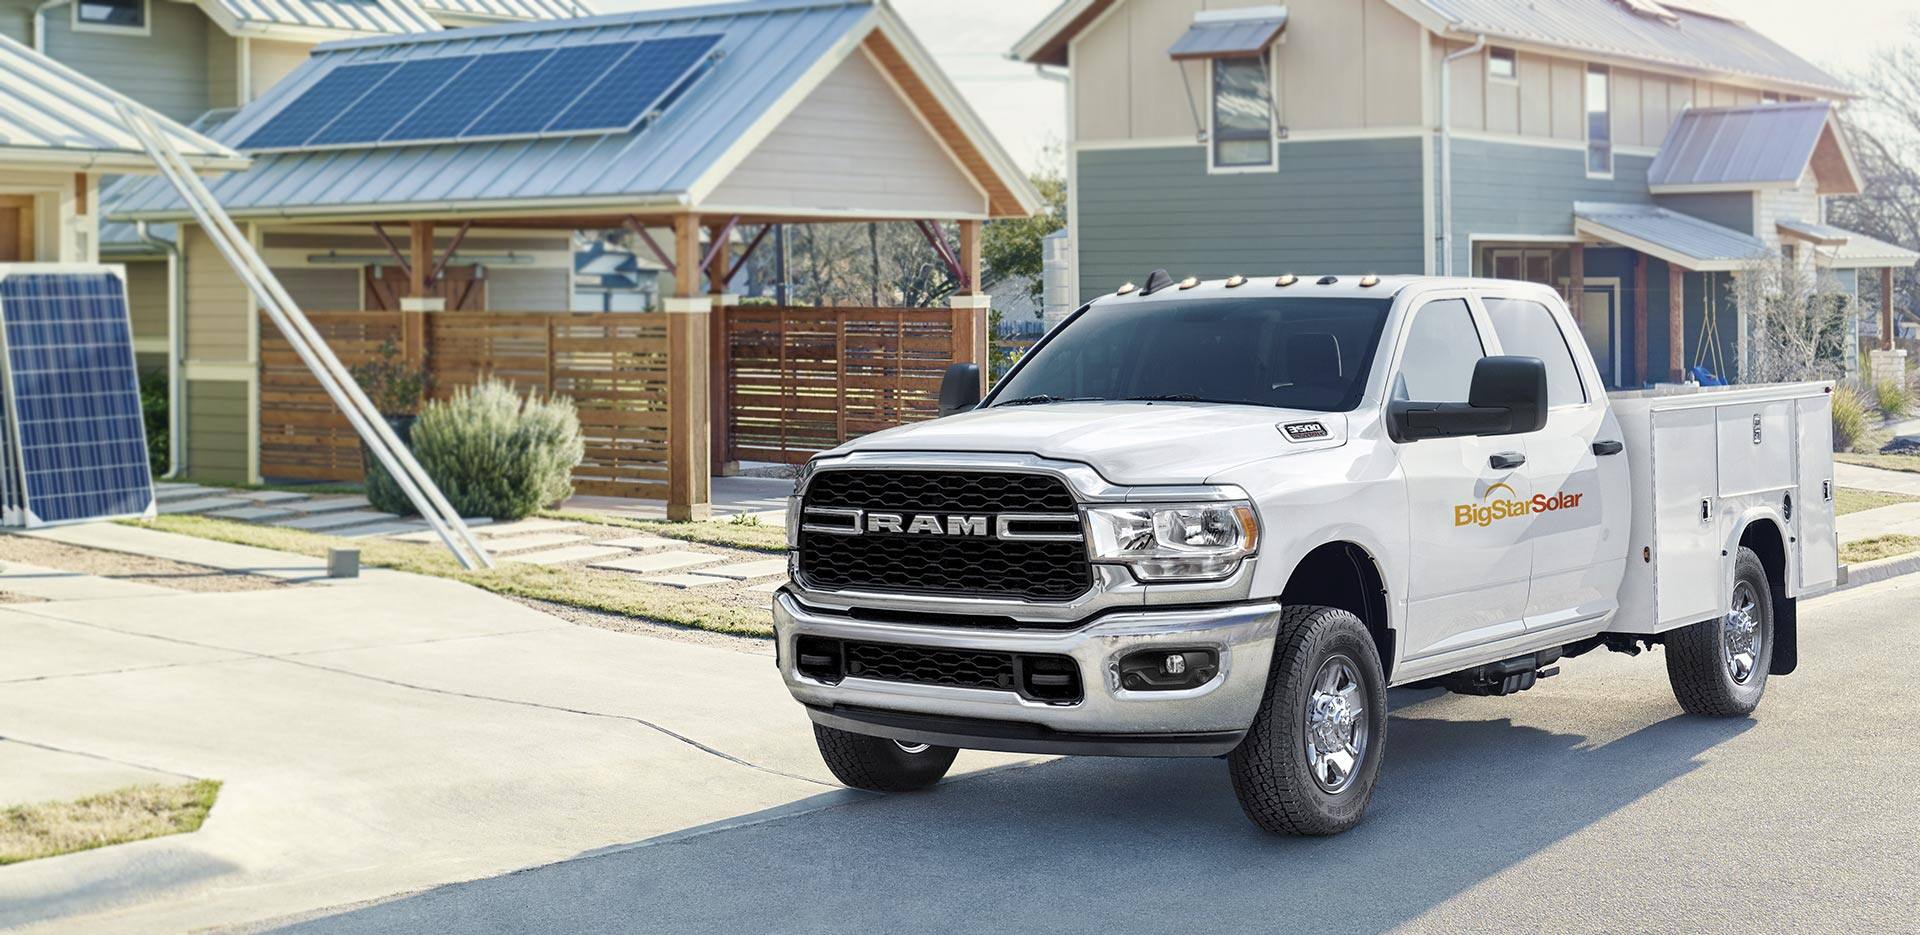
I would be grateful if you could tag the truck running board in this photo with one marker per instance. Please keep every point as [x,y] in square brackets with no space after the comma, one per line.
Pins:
[1504,677]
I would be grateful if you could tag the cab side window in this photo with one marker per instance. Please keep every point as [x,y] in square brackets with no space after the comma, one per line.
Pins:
[1527,329]
[1442,347]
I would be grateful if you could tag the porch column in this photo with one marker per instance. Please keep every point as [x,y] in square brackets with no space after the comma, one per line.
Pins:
[971,307]
[720,372]
[1676,323]
[689,439]
[419,298]
[1886,309]
[1577,281]
[1642,367]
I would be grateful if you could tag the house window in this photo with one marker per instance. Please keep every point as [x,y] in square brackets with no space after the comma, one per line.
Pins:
[1503,64]
[1242,133]
[116,15]
[1769,97]
[1599,122]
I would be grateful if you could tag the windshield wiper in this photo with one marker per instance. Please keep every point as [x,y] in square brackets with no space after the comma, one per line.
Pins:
[1041,400]
[1169,398]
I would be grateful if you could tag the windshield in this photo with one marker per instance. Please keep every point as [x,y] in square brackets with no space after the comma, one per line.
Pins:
[1293,353]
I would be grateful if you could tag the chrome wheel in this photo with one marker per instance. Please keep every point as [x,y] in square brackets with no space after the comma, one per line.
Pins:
[1740,635]
[1336,735]
[912,747]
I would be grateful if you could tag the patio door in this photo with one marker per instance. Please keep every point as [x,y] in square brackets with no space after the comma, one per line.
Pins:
[16,229]
[1599,314]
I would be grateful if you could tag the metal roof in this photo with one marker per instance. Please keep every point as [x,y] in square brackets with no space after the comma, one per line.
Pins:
[54,116]
[1735,148]
[1839,248]
[1689,38]
[1215,34]
[768,48]
[508,10]
[324,18]
[1669,235]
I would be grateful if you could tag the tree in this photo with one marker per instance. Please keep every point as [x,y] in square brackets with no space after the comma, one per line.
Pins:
[1796,323]
[1012,248]
[1884,130]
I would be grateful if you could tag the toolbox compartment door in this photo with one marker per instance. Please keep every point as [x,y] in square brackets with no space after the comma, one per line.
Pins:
[1815,532]
[1687,526]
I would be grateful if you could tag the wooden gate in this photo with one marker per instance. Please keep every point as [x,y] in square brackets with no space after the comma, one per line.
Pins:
[802,380]
[612,365]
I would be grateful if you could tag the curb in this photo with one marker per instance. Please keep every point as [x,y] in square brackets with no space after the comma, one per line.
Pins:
[1853,576]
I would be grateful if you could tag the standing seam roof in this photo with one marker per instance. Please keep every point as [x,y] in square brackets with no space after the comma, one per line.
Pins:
[509,9]
[53,114]
[1708,245]
[392,17]
[1759,145]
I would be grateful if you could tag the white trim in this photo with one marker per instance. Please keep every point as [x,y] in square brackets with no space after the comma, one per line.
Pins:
[1712,187]
[144,29]
[1473,239]
[1586,121]
[1161,142]
[1648,247]
[684,305]
[220,371]
[1044,31]
[1513,79]
[1273,121]
[1516,139]
[1429,230]
[1607,282]
[1301,136]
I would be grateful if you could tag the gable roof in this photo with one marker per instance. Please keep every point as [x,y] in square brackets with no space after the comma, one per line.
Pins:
[1760,146]
[52,115]
[318,20]
[507,10]
[772,54]
[1691,36]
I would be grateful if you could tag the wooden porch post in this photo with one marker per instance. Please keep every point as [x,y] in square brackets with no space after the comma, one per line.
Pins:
[973,306]
[413,318]
[1577,281]
[689,439]
[1642,367]
[720,370]
[1676,322]
[1886,309]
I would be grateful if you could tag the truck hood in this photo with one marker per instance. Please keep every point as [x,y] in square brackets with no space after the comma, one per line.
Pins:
[1127,442]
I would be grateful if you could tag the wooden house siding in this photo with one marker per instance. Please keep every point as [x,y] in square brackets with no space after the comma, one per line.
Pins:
[1346,206]
[218,435]
[219,308]
[1733,210]
[1514,189]
[166,70]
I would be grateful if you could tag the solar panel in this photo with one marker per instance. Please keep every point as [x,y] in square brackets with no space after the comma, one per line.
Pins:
[318,105]
[76,443]
[636,85]
[532,104]
[389,101]
[595,88]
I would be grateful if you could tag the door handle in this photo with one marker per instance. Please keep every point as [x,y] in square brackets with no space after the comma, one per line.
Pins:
[1608,447]
[1507,460]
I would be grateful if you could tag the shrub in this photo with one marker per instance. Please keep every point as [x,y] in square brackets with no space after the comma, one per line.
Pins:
[395,386]
[153,408]
[1892,398]
[1849,419]
[496,455]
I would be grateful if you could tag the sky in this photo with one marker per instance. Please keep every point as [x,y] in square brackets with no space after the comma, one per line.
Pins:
[970,38]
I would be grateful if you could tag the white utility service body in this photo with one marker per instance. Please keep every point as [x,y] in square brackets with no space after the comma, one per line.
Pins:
[1183,491]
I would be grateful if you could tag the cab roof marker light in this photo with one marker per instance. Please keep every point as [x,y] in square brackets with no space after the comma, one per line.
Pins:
[1236,281]
[1286,280]
[1125,288]
[1329,280]
[1189,282]
[1369,281]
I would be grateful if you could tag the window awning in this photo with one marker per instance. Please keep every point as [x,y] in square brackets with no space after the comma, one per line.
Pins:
[1680,239]
[1231,33]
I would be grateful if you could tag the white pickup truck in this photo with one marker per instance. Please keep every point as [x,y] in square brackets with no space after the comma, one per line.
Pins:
[1222,518]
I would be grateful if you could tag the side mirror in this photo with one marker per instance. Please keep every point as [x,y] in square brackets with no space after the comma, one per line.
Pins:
[959,389]
[1508,396]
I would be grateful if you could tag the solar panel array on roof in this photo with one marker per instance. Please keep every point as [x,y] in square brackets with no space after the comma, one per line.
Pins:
[596,88]
[75,444]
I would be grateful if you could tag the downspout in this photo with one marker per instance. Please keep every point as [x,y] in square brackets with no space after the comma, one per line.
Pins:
[1446,149]
[40,23]
[176,346]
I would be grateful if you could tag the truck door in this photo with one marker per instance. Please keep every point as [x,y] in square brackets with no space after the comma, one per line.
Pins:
[1577,519]
[1469,562]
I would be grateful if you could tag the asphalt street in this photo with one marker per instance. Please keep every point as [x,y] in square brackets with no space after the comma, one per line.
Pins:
[1588,804]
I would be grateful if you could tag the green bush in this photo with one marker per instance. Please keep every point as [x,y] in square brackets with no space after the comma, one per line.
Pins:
[153,407]
[1850,420]
[1892,398]
[496,455]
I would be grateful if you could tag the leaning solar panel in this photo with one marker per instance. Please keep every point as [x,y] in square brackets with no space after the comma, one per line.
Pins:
[76,439]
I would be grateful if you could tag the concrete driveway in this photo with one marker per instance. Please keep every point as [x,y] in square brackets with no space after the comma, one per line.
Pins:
[383,740]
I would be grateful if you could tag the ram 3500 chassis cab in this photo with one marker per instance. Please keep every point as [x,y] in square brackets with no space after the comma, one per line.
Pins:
[1220,519]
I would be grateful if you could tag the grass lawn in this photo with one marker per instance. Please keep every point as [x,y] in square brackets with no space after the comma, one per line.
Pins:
[757,536]
[1850,500]
[1907,463]
[1879,547]
[132,814]
[578,587]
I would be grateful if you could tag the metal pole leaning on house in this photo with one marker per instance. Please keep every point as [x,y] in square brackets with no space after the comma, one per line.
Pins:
[308,344]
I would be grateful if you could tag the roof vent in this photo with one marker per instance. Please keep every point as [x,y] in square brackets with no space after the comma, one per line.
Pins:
[1329,280]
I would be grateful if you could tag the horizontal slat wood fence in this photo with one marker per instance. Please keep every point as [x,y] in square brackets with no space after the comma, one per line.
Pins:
[613,366]
[803,380]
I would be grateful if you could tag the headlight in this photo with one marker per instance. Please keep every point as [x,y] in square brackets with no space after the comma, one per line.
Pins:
[1175,542]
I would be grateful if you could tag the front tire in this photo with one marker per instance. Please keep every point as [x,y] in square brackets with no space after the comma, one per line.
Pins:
[1308,764]
[878,764]
[1719,667]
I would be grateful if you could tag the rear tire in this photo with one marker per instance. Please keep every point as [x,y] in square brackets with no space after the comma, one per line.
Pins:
[1719,667]
[878,764]
[1308,764]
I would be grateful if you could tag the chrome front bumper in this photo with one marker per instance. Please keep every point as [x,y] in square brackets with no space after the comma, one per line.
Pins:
[1204,721]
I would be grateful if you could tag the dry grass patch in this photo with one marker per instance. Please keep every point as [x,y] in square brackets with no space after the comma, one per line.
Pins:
[1907,463]
[135,813]
[575,586]
[757,537]
[1849,500]
[1879,547]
